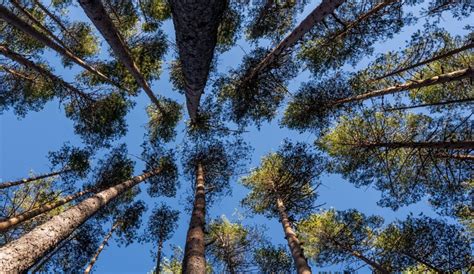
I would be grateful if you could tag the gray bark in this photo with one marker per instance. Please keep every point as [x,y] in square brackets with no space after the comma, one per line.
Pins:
[19,255]
[100,248]
[196,24]
[30,179]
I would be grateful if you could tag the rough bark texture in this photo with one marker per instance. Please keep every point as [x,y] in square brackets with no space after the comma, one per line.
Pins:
[412,84]
[194,260]
[46,73]
[99,17]
[293,242]
[30,214]
[19,255]
[316,16]
[158,257]
[101,247]
[30,179]
[17,22]
[434,145]
[196,23]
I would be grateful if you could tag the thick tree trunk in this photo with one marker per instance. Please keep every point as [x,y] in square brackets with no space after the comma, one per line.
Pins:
[370,262]
[158,256]
[316,16]
[293,242]
[412,84]
[5,51]
[434,145]
[17,22]
[20,254]
[32,179]
[30,214]
[101,247]
[470,45]
[99,17]
[195,24]
[194,260]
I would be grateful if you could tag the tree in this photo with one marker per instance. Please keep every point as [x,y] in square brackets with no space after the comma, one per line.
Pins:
[272,259]
[161,225]
[284,186]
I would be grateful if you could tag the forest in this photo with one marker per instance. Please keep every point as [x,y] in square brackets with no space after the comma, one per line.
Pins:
[236,136]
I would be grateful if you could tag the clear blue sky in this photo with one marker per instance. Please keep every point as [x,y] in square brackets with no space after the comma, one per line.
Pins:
[26,142]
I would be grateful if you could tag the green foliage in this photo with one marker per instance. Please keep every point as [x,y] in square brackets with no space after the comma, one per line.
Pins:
[162,122]
[289,175]
[114,169]
[84,44]
[229,27]
[271,259]
[129,221]
[74,160]
[177,76]
[154,12]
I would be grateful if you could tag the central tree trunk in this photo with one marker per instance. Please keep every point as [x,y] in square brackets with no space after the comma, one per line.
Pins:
[195,23]
[301,264]
[158,256]
[19,255]
[194,260]
[101,247]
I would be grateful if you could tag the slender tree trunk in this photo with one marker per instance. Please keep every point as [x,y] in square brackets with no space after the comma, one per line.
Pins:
[412,84]
[423,262]
[101,247]
[99,17]
[32,179]
[434,145]
[194,252]
[5,51]
[293,242]
[30,214]
[316,16]
[470,45]
[158,256]
[431,104]
[17,22]
[196,24]
[20,254]
[462,157]
[370,262]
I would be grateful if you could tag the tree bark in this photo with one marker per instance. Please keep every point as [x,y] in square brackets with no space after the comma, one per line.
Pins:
[101,20]
[470,45]
[31,179]
[17,22]
[158,256]
[30,214]
[431,104]
[101,247]
[194,252]
[412,84]
[421,261]
[196,23]
[5,51]
[316,16]
[300,261]
[20,254]
[434,145]
[462,157]
[370,262]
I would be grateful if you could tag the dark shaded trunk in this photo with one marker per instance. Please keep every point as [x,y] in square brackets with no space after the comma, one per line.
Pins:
[194,252]
[101,247]
[431,104]
[435,145]
[370,262]
[470,45]
[101,20]
[17,22]
[300,261]
[30,214]
[158,256]
[195,24]
[316,16]
[20,254]
[423,262]
[461,157]
[31,179]
[412,84]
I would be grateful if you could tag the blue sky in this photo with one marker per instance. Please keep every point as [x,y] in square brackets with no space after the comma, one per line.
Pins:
[25,143]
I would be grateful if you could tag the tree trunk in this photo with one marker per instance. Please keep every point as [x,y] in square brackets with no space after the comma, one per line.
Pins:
[17,22]
[316,16]
[412,84]
[101,247]
[46,73]
[30,214]
[434,145]
[99,17]
[32,179]
[20,254]
[431,104]
[293,242]
[196,24]
[194,260]
[470,45]
[370,262]
[462,157]
[423,262]
[158,256]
